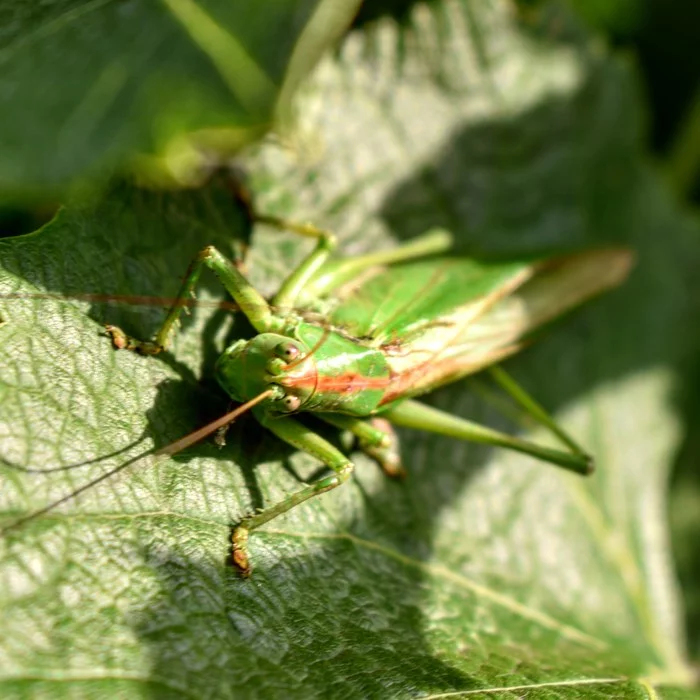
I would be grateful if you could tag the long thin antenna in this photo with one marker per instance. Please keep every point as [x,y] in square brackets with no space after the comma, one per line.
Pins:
[67,467]
[184,442]
[168,451]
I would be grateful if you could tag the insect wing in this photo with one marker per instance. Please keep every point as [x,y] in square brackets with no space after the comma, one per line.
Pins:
[559,285]
[439,321]
[391,304]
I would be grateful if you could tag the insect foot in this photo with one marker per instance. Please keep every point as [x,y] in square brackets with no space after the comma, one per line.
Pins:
[122,341]
[239,553]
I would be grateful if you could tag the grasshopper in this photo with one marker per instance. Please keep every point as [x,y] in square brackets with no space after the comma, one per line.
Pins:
[355,340]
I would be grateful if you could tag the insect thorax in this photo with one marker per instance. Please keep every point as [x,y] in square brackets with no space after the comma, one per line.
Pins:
[351,378]
[311,369]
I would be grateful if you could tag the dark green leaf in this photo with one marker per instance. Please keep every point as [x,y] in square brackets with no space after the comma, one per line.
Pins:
[485,574]
[89,86]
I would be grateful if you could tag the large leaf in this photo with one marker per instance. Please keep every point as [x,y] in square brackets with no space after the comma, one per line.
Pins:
[87,86]
[485,573]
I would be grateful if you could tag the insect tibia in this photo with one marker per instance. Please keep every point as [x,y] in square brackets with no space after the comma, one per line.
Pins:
[536,411]
[305,229]
[413,414]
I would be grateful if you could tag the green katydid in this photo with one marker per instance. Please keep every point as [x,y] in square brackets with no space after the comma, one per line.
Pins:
[354,340]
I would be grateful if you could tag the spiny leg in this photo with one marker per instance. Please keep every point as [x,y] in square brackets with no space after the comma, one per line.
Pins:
[297,281]
[376,438]
[413,414]
[249,300]
[533,408]
[260,314]
[337,272]
[306,440]
[317,274]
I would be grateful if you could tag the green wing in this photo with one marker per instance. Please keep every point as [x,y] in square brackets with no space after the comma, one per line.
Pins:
[441,319]
[393,304]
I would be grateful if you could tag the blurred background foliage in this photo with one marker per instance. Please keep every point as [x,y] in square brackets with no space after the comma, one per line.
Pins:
[664,35]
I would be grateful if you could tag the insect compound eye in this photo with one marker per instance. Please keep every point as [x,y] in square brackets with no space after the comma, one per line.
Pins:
[291,403]
[287,351]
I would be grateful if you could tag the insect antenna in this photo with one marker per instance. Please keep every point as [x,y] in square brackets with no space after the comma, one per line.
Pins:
[168,451]
[67,467]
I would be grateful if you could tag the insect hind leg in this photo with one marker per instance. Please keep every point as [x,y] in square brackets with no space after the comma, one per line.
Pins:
[533,408]
[413,414]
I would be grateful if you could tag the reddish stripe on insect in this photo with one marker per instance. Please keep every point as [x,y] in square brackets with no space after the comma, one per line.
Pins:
[401,383]
[348,383]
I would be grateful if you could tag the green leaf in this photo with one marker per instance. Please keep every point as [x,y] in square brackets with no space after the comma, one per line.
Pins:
[623,18]
[484,574]
[90,86]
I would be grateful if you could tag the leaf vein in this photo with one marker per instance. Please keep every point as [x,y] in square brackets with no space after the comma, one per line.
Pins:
[529,686]
[438,570]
